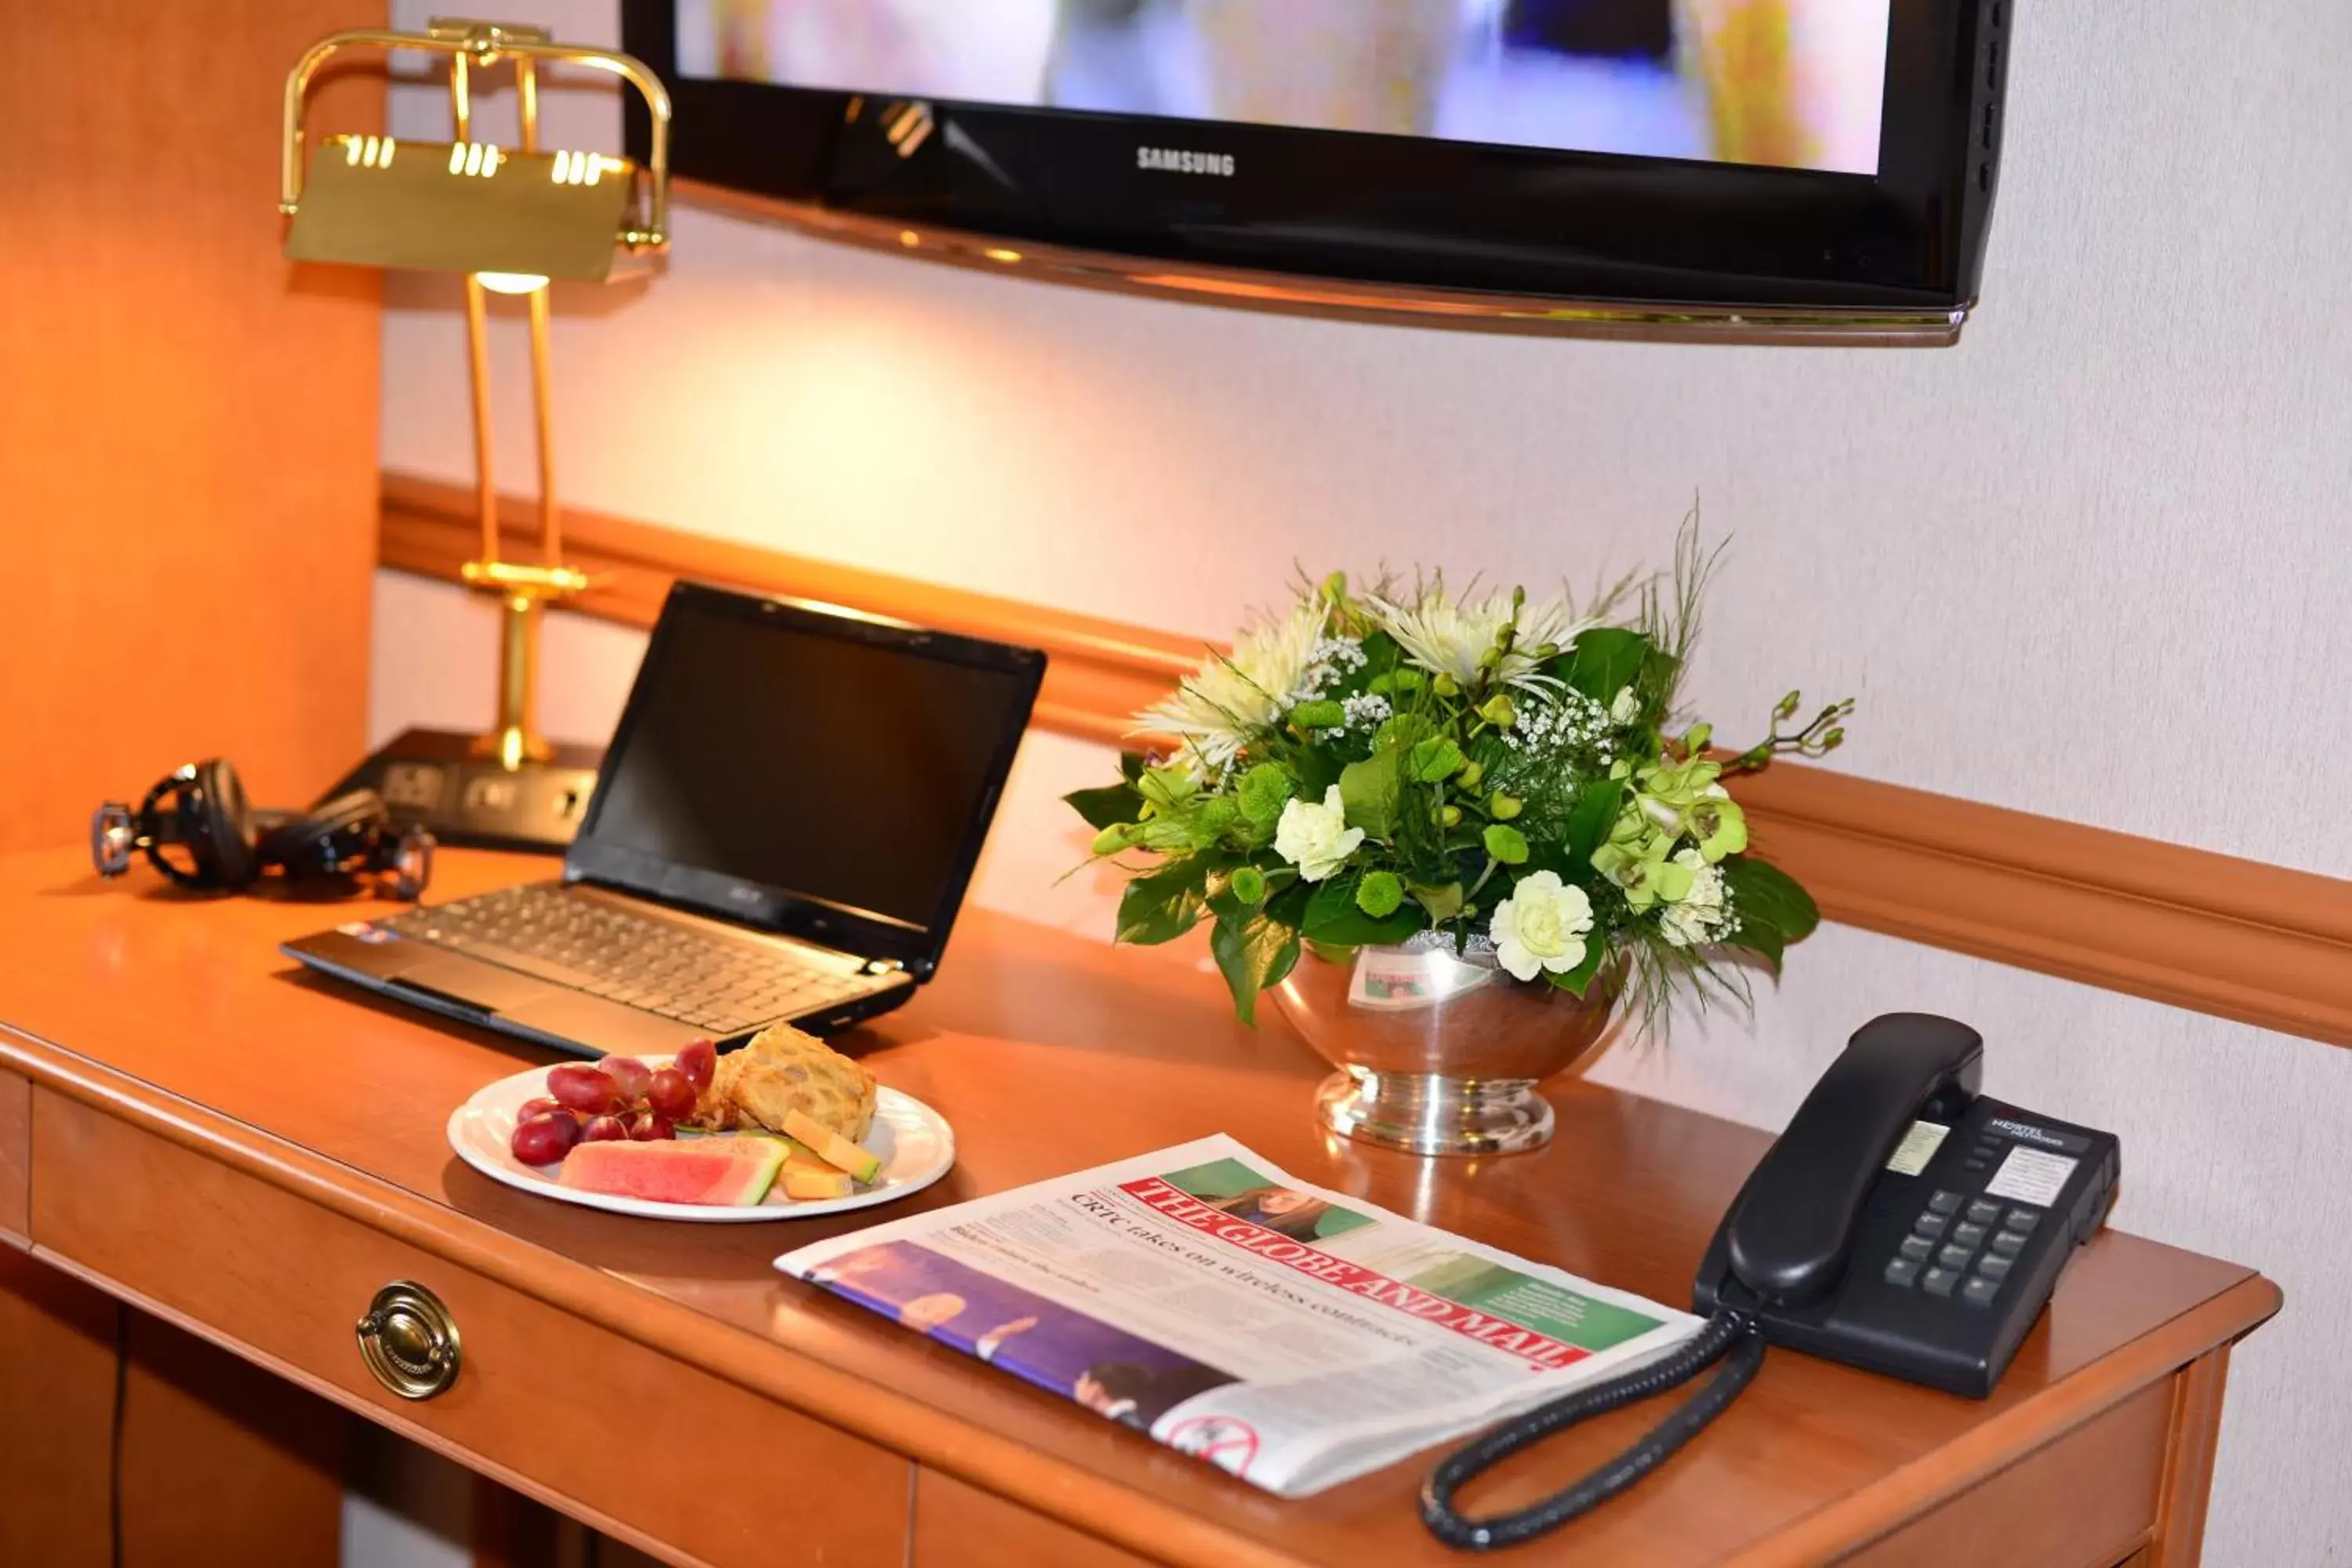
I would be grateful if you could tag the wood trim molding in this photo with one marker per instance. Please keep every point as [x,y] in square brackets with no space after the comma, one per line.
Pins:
[2261,944]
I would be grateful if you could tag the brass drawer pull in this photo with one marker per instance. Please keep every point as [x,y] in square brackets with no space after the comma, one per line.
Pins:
[410,1341]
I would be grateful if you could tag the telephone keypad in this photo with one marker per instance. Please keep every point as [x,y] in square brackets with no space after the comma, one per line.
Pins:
[1980,1291]
[1953,1257]
[1939,1281]
[1967,1233]
[1993,1265]
[2022,1221]
[1917,1249]
[2008,1243]
[1943,1203]
[1984,1213]
[1929,1225]
[1902,1271]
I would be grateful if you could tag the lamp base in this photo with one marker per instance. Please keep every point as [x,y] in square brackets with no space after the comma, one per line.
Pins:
[437,778]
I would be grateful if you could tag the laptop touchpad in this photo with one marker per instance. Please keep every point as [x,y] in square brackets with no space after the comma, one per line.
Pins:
[483,986]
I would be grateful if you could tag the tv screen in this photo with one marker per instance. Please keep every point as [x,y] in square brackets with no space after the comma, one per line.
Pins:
[1831,158]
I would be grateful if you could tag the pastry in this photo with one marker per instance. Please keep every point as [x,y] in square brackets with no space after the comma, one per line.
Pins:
[784,1070]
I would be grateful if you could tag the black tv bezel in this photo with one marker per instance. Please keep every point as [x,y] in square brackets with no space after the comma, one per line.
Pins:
[786,911]
[1404,211]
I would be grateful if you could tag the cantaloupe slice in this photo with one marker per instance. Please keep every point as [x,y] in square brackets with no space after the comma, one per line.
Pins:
[832,1148]
[807,1176]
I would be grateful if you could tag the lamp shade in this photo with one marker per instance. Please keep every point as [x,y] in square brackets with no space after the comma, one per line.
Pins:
[466,206]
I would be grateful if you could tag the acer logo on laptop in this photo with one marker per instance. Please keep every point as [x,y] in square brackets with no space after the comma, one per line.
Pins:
[1177,161]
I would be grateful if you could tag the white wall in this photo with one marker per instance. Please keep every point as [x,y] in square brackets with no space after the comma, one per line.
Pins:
[2086,564]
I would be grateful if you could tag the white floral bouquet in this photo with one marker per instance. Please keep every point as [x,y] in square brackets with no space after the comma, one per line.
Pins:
[1379,762]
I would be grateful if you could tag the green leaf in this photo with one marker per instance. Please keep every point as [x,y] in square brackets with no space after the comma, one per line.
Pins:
[1369,789]
[1607,659]
[1591,817]
[1755,937]
[1507,844]
[1764,895]
[1164,904]
[1107,807]
[1434,760]
[1404,729]
[1252,956]
[1323,714]
[1577,980]
[1332,917]
[1443,903]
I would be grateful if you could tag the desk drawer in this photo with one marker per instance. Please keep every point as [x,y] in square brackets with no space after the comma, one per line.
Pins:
[16,1154]
[960,1526]
[597,1425]
[2089,1498]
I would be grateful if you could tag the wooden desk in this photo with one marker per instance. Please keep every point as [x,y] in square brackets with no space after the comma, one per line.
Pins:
[249,1153]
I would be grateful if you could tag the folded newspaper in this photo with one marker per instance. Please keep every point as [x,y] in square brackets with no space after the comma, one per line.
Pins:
[1291,1335]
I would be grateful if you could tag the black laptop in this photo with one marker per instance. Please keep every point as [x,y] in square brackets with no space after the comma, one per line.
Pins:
[782,831]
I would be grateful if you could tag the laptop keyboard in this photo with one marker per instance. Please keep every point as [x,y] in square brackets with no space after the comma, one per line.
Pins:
[678,970]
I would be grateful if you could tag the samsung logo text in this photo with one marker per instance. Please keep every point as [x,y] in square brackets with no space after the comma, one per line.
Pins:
[1175,161]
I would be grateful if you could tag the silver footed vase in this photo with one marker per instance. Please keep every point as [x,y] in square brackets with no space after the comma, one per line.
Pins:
[1438,1052]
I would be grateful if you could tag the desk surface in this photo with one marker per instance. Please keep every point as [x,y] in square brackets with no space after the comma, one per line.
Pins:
[1048,1053]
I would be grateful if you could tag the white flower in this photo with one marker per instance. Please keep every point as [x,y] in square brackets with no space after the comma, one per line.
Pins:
[1624,708]
[1214,710]
[1367,710]
[1542,926]
[1450,637]
[1698,916]
[1316,839]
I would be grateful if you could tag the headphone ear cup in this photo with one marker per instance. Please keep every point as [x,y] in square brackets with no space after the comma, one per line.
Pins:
[310,843]
[218,824]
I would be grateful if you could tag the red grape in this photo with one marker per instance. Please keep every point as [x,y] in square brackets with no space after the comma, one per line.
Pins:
[545,1139]
[629,1077]
[531,1109]
[698,1059]
[670,1094]
[584,1089]
[644,1127]
[602,1129]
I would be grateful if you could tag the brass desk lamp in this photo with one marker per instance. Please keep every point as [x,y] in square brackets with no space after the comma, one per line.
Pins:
[510,219]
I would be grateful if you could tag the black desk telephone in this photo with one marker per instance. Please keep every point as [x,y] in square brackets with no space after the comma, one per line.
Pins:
[1902,1224]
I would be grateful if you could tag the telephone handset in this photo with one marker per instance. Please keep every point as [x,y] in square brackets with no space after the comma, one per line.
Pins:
[1903,1222]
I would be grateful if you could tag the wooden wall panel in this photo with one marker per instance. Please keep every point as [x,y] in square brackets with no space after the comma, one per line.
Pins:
[187,421]
[2263,944]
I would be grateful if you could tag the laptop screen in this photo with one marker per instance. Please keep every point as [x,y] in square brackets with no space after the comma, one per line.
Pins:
[779,760]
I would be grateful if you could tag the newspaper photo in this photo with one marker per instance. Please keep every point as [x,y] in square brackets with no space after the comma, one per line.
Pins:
[1293,1336]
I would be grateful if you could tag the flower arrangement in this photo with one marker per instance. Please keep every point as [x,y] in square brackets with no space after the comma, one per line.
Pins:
[1380,761]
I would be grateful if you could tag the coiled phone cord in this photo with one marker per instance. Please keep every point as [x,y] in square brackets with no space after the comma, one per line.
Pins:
[1729,1333]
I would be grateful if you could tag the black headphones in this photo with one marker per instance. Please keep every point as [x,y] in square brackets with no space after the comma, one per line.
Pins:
[200,810]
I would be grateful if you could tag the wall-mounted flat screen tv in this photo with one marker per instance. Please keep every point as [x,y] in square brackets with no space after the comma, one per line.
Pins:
[1792,167]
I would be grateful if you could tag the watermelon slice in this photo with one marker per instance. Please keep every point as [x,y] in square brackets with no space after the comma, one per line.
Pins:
[722,1172]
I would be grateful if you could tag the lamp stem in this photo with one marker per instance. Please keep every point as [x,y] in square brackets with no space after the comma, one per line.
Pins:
[517,739]
[478,355]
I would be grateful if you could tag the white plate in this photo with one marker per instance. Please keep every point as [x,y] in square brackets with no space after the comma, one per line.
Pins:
[913,1141]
